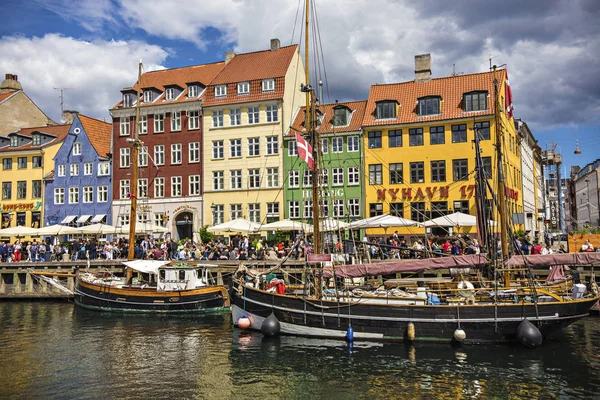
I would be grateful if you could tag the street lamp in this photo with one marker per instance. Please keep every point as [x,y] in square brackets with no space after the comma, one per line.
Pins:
[213,208]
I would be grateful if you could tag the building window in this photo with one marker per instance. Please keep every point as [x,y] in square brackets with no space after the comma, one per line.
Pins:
[102,194]
[142,188]
[88,194]
[395,138]
[475,101]
[123,126]
[160,219]
[218,149]
[220,90]
[253,146]
[375,140]
[62,170]
[294,209]
[340,116]
[436,135]
[253,115]
[194,152]
[375,209]
[175,121]
[307,178]
[159,154]
[88,168]
[143,156]
[176,153]
[324,177]
[397,209]
[235,116]
[148,95]
[159,187]
[375,174]
[460,169]
[235,211]
[338,208]
[292,148]
[243,88]
[36,139]
[396,173]
[143,125]
[386,109]
[218,180]
[159,123]
[294,178]
[268,85]
[459,133]
[74,169]
[217,117]
[417,172]
[21,189]
[22,162]
[429,106]
[325,146]
[353,176]
[337,176]
[36,189]
[59,196]
[354,207]
[272,177]
[235,181]
[176,186]
[6,190]
[272,145]
[123,219]
[254,178]
[352,144]
[308,209]
[124,160]
[254,212]
[36,162]
[337,144]
[219,214]
[461,206]
[272,212]
[438,209]
[73,195]
[193,91]
[193,120]
[124,189]
[170,94]
[483,128]
[272,113]
[14,141]
[417,211]
[415,137]
[487,166]
[6,163]
[194,185]
[438,171]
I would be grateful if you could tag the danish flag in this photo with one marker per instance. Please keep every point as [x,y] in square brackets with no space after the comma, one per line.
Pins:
[305,151]
[508,104]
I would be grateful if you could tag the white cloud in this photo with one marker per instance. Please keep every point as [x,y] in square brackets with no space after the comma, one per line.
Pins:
[94,72]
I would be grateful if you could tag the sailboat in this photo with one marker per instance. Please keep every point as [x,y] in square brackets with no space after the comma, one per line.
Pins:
[468,309]
[161,286]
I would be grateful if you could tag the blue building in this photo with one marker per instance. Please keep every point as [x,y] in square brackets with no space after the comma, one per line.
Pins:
[78,190]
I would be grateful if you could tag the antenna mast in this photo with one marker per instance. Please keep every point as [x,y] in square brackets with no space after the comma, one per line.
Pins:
[62,99]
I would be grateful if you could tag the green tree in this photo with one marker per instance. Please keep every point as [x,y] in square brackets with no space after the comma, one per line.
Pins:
[205,235]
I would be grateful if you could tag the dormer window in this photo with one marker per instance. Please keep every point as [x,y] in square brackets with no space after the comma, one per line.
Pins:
[221,91]
[341,116]
[193,91]
[268,85]
[127,100]
[386,109]
[36,139]
[148,96]
[429,105]
[244,88]
[14,141]
[475,101]
[170,94]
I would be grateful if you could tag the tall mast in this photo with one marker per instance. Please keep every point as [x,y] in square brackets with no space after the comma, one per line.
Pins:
[501,187]
[134,170]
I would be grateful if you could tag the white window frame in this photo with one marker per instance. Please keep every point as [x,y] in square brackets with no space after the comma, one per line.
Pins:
[218,149]
[76,149]
[254,212]
[221,91]
[353,176]
[159,123]
[194,185]
[352,144]
[193,120]
[104,168]
[268,85]
[217,117]
[147,96]
[293,178]
[235,116]
[74,169]
[294,209]
[272,113]
[325,146]
[159,187]
[143,156]
[62,170]
[253,115]
[124,127]
[218,180]
[59,195]
[142,188]
[337,144]
[159,154]
[337,176]
[235,211]
[272,145]
[307,178]
[254,178]
[235,148]
[74,195]
[193,152]
[88,194]
[243,88]
[308,209]
[193,91]
[176,186]
[102,194]
[143,124]
[176,157]
[88,168]
[292,148]
[235,179]
[176,121]
[124,189]
[273,177]
[338,208]
[170,94]
[253,146]
[354,207]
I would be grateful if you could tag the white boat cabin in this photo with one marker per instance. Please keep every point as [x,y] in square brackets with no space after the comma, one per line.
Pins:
[171,278]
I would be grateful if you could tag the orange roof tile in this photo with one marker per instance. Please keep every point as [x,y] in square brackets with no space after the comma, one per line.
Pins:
[357,108]
[4,96]
[60,131]
[450,89]
[253,68]
[99,133]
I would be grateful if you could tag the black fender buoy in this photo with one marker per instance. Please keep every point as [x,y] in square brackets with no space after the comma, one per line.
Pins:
[270,326]
[529,335]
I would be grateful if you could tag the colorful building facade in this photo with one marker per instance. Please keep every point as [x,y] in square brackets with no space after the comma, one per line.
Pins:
[78,190]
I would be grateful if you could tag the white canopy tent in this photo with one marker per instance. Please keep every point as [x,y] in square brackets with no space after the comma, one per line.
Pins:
[236,225]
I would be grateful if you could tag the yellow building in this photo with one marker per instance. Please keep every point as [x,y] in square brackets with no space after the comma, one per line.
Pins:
[247,109]
[419,153]
[27,156]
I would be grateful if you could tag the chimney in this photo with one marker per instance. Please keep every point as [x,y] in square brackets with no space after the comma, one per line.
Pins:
[422,67]
[275,44]
[69,116]
[10,84]
[229,56]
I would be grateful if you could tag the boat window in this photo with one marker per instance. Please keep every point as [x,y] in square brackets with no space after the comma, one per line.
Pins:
[161,274]
[182,275]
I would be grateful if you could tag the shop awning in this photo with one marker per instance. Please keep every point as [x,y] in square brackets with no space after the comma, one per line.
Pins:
[98,218]
[68,219]
[83,219]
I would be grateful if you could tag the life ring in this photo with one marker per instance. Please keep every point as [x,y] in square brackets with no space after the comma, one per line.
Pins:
[466,289]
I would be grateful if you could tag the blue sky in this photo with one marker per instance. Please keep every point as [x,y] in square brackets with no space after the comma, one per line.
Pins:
[91,47]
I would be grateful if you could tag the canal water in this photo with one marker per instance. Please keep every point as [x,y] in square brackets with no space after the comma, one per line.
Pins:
[55,351]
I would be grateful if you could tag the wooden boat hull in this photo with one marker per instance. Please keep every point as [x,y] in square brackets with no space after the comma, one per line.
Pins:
[379,322]
[210,299]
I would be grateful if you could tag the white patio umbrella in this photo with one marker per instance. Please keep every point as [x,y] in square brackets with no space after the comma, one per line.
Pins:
[54,230]
[331,224]
[236,225]
[286,225]
[142,228]
[18,231]
[383,221]
[454,219]
[100,229]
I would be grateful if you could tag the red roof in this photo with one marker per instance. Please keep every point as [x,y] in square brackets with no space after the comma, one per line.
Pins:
[253,68]
[59,131]
[357,110]
[99,133]
[450,89]
[4,96]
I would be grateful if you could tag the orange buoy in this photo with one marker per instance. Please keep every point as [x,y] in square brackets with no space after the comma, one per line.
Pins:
[243,322]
